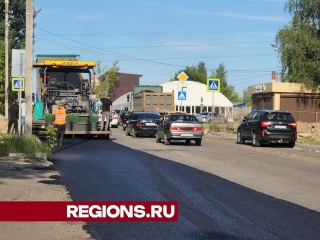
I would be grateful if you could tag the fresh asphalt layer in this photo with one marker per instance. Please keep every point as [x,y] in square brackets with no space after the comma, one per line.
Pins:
[210,207]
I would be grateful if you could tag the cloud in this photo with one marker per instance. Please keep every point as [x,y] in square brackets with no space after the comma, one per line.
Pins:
[254,17]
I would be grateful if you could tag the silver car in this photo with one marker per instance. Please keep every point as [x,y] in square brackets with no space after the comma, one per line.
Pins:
[206,117]
[180,127]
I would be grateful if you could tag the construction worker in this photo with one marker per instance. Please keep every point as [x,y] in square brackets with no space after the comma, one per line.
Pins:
[106,112]
[60,116]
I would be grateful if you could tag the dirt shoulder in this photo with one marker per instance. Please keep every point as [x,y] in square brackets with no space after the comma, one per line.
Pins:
[20,182]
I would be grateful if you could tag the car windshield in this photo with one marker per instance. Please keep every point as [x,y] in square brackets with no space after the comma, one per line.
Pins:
[183,118]
[276,116]
[148,116]
[204,113]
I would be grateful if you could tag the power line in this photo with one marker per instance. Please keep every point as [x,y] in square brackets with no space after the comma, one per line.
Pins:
[172,32]
[114,53]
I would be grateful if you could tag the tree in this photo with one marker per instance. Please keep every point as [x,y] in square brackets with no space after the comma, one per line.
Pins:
[197,74]
[108,80]
[247,98]
[299,43]
[225,89]
[17,19]
[202,69]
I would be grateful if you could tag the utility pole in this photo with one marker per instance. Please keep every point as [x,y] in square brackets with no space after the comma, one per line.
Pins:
[29,66]
[6,43]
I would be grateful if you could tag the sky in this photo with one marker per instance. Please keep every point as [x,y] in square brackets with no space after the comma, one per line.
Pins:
[158,38]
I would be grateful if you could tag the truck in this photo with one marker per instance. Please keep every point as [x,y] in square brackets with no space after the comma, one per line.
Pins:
[65,78]
[147,101]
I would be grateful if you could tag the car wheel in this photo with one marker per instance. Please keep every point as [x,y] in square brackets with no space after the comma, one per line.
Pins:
[291,144]
[188,142]
[239,138]
[255,141]
[133,133]
[198,142]
[166,140]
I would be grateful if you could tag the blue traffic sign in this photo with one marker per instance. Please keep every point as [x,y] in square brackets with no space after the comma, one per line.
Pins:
[17,84]
[213,85]
[182,95]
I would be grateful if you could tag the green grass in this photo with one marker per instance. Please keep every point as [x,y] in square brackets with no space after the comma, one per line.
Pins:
[309,140]
[21,144]
[217,128]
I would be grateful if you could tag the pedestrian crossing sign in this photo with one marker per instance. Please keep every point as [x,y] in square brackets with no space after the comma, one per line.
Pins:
[16,82]
[213,85]
[182,95]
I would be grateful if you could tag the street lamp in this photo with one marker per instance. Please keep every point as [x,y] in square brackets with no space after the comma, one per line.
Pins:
[276,49]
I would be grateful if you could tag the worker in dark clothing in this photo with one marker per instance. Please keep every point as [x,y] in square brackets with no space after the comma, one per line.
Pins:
[106,111]
[13,118]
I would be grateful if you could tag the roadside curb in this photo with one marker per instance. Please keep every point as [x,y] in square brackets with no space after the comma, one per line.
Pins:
[17,164]
[308,147]
[303,146]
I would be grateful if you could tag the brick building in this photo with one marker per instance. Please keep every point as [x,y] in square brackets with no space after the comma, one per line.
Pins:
[125,84]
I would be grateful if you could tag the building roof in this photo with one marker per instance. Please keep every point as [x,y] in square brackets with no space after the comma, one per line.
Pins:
[194,92]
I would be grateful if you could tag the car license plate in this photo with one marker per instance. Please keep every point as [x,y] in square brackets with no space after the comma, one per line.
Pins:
[186,134]
[280,127]
[151,124]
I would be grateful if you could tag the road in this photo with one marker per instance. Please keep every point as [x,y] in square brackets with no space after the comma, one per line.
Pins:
[224,190]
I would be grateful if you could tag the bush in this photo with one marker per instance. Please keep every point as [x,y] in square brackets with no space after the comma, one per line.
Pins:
[21,144]
[51,140]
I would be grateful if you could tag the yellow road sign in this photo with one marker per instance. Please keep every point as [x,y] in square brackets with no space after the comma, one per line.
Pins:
[182,76]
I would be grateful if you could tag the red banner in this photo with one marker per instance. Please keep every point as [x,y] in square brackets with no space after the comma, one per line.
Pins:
[146,211]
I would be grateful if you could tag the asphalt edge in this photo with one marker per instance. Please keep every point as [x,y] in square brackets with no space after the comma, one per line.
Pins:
[303,146]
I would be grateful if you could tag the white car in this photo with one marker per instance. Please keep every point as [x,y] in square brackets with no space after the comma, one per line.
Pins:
[114,121]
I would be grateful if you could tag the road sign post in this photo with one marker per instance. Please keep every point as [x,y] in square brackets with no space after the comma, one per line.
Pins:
[20,90]
[182,95]
[213,85]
